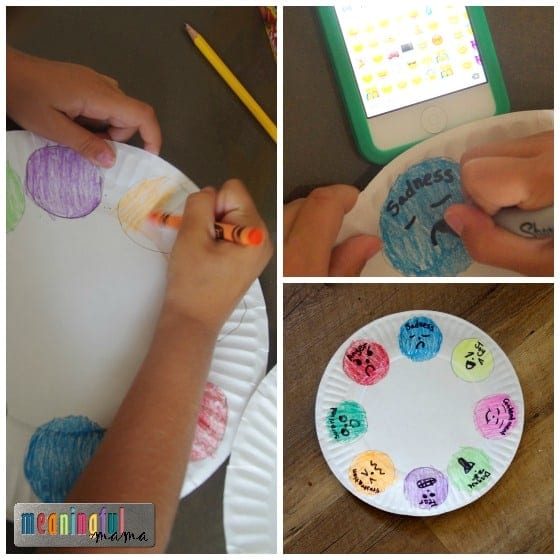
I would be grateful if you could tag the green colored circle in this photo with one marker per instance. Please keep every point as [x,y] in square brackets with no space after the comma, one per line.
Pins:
[346,422]
[469,469]
[472,360]
[15,199]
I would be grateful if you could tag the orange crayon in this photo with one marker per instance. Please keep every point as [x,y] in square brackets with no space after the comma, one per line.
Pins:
[243,235]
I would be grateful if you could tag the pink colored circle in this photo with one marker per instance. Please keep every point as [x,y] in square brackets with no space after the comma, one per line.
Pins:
[366,362]
[495,416]
[211,423]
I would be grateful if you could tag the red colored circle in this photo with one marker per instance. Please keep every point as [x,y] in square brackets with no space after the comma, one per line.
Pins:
[366,362]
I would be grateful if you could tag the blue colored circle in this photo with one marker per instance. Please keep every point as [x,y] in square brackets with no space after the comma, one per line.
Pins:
[57,454]
[417,240]
[420,339]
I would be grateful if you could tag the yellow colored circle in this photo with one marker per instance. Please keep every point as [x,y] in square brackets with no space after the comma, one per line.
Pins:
[472,360]
[372,472]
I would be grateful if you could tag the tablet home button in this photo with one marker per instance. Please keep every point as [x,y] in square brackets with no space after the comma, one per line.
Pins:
[433,119]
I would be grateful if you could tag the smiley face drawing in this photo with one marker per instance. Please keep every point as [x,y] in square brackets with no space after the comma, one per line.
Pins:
[417,240]
[495,416]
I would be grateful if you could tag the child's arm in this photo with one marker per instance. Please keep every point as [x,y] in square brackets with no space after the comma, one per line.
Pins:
[144,454]
[54,99]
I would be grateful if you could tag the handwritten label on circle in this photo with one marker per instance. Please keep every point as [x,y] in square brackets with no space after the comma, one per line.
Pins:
[469,469]
[420,339]
[472,360]
[62,182]
[372,472]
[495,416]
[347,421]
[417,240]
[426,487]
[366,362]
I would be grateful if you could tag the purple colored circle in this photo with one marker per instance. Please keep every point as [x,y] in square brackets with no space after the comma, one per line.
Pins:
[426,487]
[495,416]
[62,182]
[366,362]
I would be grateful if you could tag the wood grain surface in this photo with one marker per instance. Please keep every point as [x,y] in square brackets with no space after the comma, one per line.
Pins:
[321,516]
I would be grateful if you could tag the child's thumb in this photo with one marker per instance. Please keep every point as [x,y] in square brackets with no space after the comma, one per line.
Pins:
[86,143]
[490,244]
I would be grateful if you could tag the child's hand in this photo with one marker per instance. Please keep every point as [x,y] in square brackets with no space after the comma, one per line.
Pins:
[207,278]
[512,173]
[311,226]
[54,99]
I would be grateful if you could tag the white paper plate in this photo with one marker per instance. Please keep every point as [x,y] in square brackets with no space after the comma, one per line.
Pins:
[83,296]
[448,258]
[250,487]
[429,418]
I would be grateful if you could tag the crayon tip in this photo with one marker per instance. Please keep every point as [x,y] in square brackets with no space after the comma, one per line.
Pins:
[256,236]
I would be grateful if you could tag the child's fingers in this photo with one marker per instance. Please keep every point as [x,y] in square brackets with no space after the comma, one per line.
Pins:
[350,257]
[519,147]
[311,227]
[61,129]
[235,205]
[499,182]
[493,245]
[198,215]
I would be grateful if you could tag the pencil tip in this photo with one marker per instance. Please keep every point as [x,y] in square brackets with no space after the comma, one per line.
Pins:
[192,33]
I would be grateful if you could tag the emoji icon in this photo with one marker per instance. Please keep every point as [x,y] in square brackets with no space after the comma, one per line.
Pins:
[387,89]
[402,84]
[372,93]
[367,78]
[437,40]
[417,80]
[433,25]
[378,58]
[462,49]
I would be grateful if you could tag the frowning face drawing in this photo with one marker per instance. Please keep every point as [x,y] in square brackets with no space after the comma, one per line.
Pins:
[418,241]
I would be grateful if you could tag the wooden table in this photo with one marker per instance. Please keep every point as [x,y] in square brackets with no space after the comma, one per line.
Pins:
[320,516]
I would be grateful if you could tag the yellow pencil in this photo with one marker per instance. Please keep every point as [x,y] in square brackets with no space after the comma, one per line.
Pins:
[229,78]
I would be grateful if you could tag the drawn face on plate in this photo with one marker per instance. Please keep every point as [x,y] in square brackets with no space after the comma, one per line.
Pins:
[372,472]
[420,339]
[366,362]
[425,487]
[418,241]
[495,416]
[346,422]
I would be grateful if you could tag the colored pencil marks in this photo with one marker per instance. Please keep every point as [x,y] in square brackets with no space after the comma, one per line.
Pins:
[417,240]
[62,182]
[420,339]
[372,472]
[347,421]
[57,454]
[366,362]
[15,198]
[495,416]
[426,487]
[469,469]
[472,360]
[211,423]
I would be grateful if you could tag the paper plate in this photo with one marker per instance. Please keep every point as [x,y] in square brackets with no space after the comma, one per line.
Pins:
[419,413]
[84,289]
[250,487]
[416,239]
